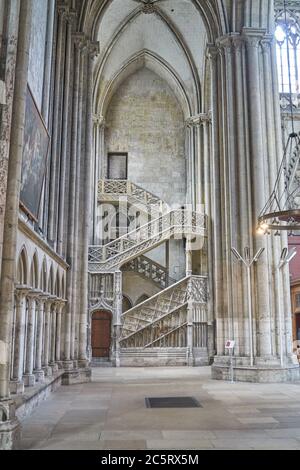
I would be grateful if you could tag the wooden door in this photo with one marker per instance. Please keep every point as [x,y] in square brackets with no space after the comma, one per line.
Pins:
[101,328]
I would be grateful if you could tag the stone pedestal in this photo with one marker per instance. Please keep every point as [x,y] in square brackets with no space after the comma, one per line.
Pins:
[10,429]
[54,367]
[39,375]
[16,387]
[47,371]
[77,376]
[29,380]
[266,371]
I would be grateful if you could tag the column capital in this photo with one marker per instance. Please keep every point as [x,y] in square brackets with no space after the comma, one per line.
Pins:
[22,290]
[199,119]
[99,120]
[266,43]
[212,52]
[80,41]
[93,49]
[253,36]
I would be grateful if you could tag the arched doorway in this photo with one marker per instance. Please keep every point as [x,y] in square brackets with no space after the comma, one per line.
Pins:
[101,333]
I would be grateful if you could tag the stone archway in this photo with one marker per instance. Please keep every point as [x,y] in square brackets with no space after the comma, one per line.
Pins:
[101,334]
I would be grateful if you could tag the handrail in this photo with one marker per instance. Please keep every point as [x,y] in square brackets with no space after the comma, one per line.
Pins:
[164,224]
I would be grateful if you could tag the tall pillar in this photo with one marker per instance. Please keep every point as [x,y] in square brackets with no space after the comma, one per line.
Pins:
[29,378]
[118,301]
[8,41]
[40,309]
[92,50]
[47,340]
[190,325]
[188,256]
[244,87]
[53,320]
[60,305]
[68,350]
[17,384]
[56,146]
[9,426]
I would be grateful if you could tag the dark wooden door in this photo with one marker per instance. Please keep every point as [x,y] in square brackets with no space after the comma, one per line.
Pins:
[101,327]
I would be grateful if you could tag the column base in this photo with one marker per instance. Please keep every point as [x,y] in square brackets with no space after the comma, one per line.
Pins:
[54,367]
[10,428]
[77,376]
[59,364]
[83,363]
[16,386]
[47,371]
[29,380]
[263,371]
[39,375]
[68,365]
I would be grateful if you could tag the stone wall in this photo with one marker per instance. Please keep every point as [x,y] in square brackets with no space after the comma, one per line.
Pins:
[145,120]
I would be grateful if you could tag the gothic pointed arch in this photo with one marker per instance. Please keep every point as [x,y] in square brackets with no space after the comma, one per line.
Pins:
[44,276]
[156,64]
[22,267]
[34,271]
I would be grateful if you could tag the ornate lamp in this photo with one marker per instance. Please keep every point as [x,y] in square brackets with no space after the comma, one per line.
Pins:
[282,210]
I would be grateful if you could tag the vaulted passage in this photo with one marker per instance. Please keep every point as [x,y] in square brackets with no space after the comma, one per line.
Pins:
[140,141]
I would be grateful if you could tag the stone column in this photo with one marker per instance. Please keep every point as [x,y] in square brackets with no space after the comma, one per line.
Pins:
[54,309]
[78,40]
[93,50]
[12,209]
[215,194]
[56,146]
[259,176]
[189,256]
[17,384]
[9,35]
[99,170]
[246,174]
[40,308]
[190,325]
[29,377]
[47,340]
[62,228]
[118,306]
[60,305]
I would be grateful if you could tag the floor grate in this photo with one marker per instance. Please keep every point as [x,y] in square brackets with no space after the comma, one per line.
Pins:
[172,402]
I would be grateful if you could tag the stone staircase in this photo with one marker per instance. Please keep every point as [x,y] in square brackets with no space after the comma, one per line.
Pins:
[168,327]
[150,270]
[161,321]
[113,255]
[143,200]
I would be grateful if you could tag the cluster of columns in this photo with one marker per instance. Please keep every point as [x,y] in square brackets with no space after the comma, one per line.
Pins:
[37,340]
[246,152]
[71,172]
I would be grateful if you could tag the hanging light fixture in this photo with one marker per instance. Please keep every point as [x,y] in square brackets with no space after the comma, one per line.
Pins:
[282,210]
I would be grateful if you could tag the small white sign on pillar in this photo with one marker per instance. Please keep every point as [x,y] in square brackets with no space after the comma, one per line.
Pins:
[229,344]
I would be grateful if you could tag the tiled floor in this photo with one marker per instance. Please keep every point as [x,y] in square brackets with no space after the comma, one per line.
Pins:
[110,413]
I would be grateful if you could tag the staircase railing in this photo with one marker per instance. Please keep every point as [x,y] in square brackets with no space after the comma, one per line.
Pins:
[164,313]
[151,270]
[139,241]
[112,190]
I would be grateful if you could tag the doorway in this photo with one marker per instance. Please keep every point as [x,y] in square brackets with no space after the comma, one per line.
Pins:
[101,334]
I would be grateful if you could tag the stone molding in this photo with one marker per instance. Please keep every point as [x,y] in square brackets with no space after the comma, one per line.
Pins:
[199,119]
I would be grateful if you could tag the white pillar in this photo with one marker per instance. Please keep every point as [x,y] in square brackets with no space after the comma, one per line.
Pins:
[40,308]
[47,343]
[17,384]
[29,378]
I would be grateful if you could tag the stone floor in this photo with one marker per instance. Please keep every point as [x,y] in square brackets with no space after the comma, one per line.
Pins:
[110,413]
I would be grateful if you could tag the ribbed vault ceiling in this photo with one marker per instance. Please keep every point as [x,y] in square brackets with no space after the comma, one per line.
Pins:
[167,36]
